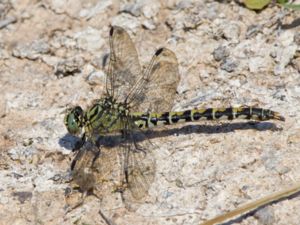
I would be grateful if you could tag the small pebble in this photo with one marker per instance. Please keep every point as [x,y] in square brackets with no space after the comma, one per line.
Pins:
[229,65]
[220,53]
[265,216]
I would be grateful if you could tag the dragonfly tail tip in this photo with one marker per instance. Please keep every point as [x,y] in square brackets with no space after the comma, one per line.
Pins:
[277,116]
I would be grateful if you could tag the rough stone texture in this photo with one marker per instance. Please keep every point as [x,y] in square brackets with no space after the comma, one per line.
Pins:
[52,57]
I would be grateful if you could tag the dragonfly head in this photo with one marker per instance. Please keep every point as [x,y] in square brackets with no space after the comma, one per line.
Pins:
[74,120]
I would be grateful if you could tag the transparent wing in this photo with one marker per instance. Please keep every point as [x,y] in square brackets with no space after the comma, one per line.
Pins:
[103,171]
[124,68]
[138,166]
[81,166]
[96,169]
[156,89]
[99,171]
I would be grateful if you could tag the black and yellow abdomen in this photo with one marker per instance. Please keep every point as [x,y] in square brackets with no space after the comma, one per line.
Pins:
[148,120]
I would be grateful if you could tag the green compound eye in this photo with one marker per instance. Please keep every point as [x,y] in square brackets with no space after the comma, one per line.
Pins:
[73,120]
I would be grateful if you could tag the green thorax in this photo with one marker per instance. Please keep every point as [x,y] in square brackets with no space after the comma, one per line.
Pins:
[105,116]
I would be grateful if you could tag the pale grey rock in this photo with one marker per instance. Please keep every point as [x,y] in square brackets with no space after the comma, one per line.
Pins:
[100,61]
[4,200]
[127,21]
[297,38]
[260,64]
[22,154]
[23,196]
[32,50]
[283,58]
[70,8]
[22,100]
[217,30]
[294,137]
[3,105]
[265,216]
[191,22]
[185,4]
[5,8]
[92,11]
[270,160]
[69,66]
[51,60]
[4,54]
[149,24]
[286,38]
[231,31]
[170,4]
[96,78]
[280,94]
[213,11]
[133,9]
[296,63]
[151,10]
[252,30]
[5,22]
[61,39]
[173,24]
[89,39]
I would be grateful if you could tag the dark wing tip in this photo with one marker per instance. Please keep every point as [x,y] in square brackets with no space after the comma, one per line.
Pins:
[159,51]
[111,32]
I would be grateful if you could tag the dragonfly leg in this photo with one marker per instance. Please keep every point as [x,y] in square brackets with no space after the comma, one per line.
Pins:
[124,134]
[77,157]
[79,143]
[105,218]
[120,187]
[96,156]
[137,147]
[73,198]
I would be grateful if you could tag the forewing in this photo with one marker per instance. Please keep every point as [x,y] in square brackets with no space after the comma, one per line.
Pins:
[157,88]
[124,68]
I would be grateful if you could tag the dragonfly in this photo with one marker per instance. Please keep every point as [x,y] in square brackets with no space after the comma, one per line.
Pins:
[135,100]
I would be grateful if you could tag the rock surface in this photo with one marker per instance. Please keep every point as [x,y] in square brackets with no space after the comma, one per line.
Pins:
[52,56]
